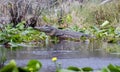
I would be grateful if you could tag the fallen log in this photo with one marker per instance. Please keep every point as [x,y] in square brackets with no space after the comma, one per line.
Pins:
[64,34]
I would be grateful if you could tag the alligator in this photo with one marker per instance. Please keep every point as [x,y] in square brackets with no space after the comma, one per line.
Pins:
[64,34]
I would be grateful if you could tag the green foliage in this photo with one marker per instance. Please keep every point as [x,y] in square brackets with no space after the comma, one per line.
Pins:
[11,67]
[88,69]
[111,68]
[65,70]
[46,19]
[68,18]
[70,68]
[101,21]
[106,32]
[77,29]
[93,13]
[76,69]
[32,66]
[19,34]
[35,66]
[105,23]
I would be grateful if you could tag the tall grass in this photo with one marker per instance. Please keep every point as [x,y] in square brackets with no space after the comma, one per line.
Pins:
[96,14]
[85,14]
[88,13]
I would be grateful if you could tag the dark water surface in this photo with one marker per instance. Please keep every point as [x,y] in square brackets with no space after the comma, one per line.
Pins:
[96,54]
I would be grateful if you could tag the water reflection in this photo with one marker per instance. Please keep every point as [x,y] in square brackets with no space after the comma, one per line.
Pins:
[2,56]
[96,54]
[67,50]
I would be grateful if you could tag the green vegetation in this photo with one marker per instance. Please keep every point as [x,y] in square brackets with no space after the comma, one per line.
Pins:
[35,66]
[100,21]
[15,36]
[32,66]
[109,68]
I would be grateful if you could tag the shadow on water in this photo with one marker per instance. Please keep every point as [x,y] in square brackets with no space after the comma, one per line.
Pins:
[95,54]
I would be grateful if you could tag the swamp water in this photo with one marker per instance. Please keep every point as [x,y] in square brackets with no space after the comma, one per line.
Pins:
[96,54]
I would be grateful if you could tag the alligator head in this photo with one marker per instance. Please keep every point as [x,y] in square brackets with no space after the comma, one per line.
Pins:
[46,28]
